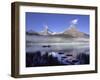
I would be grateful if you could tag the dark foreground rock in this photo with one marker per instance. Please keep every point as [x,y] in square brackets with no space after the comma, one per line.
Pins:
[37,59]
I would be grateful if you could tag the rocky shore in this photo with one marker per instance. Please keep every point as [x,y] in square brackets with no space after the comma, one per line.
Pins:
[54,59]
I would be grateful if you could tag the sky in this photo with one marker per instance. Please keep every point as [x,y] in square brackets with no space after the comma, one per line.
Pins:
[56,22]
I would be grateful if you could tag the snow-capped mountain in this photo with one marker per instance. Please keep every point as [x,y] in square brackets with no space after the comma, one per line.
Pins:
[46,31]
[72,31]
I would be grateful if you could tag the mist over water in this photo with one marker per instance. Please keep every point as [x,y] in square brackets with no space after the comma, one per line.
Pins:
[53,54]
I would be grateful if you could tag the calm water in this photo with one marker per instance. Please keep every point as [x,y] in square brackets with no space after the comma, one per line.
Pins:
[51,54]
[32,47]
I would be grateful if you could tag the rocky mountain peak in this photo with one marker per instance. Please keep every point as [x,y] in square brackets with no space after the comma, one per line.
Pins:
[46,31]
[73,31]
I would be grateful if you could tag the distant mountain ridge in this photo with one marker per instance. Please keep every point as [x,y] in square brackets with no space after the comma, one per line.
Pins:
[72,32]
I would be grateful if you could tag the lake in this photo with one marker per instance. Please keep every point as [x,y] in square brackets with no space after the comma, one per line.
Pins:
[53,54]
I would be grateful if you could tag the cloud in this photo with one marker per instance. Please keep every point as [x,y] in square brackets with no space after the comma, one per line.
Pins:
[74,21]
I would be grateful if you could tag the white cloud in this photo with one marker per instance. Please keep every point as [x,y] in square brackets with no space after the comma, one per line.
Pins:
[74,21]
